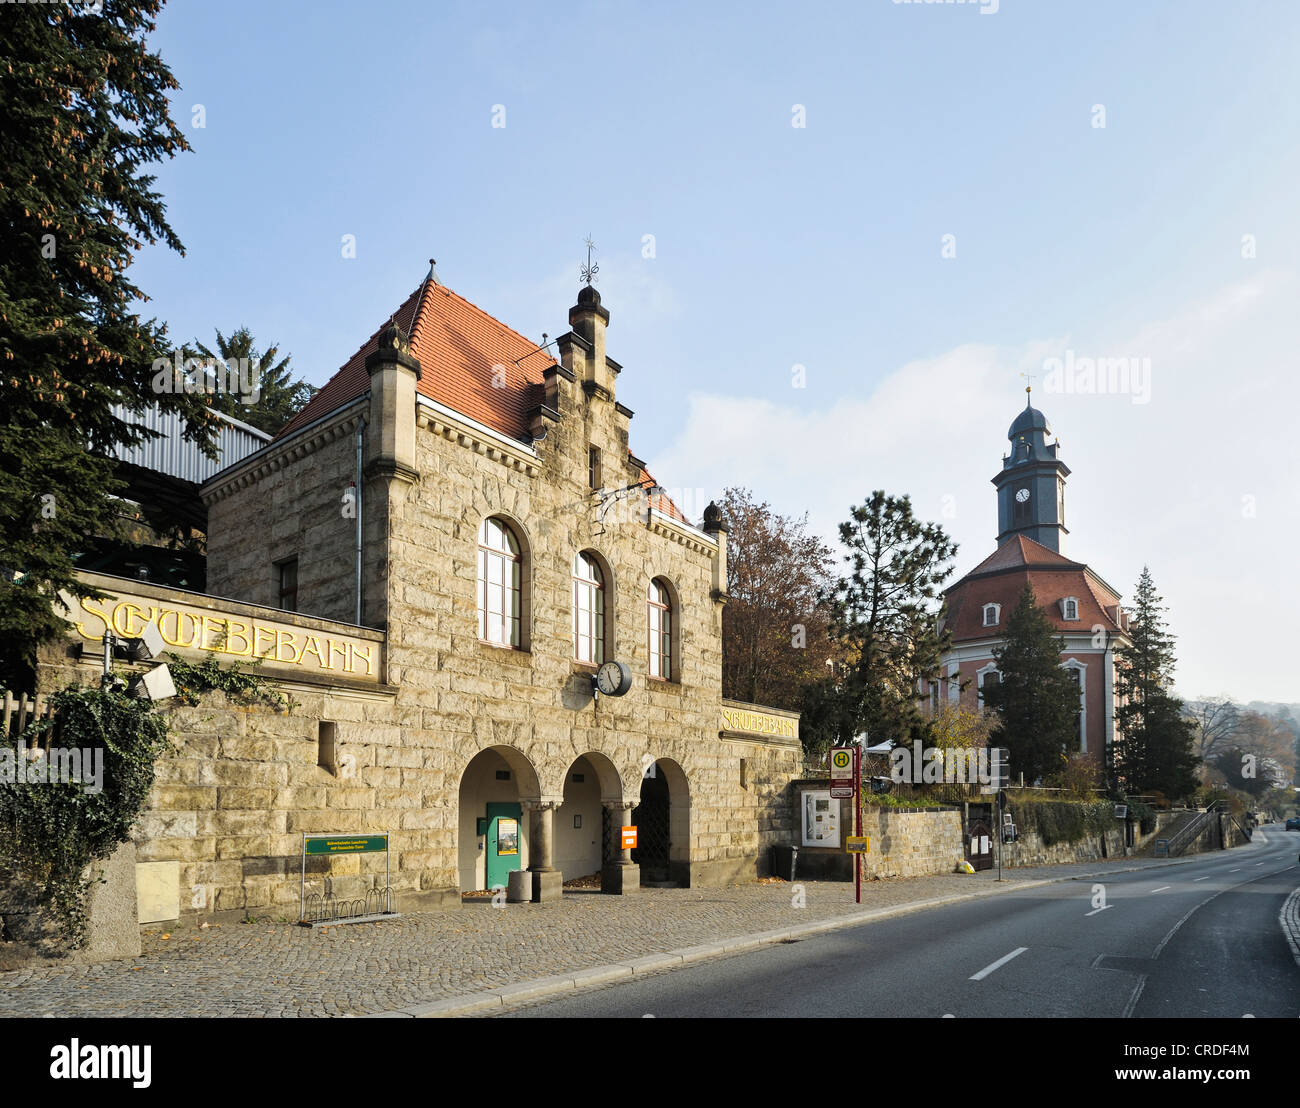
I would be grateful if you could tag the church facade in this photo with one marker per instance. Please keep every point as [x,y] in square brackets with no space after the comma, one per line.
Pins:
[1085,610]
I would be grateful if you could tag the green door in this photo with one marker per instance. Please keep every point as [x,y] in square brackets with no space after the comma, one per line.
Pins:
[503,842]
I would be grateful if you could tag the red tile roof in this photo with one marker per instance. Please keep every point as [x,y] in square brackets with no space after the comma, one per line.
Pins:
[464,353]
[1020,551]
[1001,578]
[659,500]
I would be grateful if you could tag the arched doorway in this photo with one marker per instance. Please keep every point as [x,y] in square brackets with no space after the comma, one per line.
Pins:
[583,841]
[492,839]
[663,828]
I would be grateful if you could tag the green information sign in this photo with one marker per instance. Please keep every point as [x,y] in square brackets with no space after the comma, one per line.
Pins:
[358,844]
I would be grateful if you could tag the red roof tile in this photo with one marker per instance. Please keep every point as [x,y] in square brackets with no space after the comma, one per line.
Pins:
[1020,551]
[464,353]
[1001,578]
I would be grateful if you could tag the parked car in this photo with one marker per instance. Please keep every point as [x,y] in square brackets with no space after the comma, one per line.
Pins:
[1293,824]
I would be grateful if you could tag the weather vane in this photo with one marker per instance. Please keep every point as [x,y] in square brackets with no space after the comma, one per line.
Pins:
[1030,378]
[588,272]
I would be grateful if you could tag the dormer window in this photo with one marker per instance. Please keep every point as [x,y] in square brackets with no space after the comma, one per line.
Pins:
[992,613]
[1070,608]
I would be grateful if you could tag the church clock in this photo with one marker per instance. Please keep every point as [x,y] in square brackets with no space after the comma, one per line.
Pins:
[1020,513]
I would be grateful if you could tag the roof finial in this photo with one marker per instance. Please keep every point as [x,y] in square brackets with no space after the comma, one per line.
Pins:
[433,273]
[1029,388]
[588,272]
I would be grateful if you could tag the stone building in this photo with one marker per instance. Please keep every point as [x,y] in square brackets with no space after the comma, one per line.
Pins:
[434,558]
[1079,604]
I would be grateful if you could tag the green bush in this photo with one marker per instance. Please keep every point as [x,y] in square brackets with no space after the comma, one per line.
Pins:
[1144,814]
[1062,821]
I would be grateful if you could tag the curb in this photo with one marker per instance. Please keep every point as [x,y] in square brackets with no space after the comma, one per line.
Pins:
[495,1000]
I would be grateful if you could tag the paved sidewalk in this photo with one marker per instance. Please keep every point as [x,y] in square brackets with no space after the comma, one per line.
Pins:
[419,960]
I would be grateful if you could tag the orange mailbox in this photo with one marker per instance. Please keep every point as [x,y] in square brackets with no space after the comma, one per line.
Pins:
[629,838]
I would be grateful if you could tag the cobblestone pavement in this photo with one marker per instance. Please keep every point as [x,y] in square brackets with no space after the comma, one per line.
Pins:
[279,969]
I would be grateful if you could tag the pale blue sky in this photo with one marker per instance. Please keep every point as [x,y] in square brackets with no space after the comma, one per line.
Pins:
[817,246]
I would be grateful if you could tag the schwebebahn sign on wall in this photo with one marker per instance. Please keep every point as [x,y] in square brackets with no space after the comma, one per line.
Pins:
[310,646]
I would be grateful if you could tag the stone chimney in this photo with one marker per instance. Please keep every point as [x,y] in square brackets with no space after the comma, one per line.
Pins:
[390,436]
[716,526]
[583,349]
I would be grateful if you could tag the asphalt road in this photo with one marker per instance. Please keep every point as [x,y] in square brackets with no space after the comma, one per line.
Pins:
[1198,939]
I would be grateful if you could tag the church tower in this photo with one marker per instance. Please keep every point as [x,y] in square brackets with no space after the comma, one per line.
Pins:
[1031,486]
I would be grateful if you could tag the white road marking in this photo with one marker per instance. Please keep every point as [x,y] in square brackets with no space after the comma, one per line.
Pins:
[1289,918]
[1259,863]
[1162,888]
[1096,910]
[1213,896]
[1234,869]
[1200,878]
[1133,997]
[998,964]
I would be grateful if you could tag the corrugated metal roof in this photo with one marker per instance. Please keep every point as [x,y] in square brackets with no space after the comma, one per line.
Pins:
[172,455]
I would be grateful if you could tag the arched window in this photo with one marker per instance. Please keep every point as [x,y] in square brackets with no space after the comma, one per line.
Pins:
[992,613]
[499,577]
[588,610]
[659,614]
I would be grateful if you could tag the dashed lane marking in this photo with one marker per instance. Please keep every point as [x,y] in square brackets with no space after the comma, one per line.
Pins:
[998,964]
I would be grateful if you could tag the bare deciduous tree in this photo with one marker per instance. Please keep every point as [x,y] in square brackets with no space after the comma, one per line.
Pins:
[774,628]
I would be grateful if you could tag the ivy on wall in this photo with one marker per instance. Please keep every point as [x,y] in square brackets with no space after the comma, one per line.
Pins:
[1063,821]
[53,833]
[238,681]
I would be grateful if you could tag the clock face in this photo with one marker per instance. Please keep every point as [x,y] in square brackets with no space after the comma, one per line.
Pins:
[1022,495]
[610,679]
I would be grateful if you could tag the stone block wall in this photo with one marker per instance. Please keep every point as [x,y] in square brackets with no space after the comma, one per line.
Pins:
[904,842]
[289,503]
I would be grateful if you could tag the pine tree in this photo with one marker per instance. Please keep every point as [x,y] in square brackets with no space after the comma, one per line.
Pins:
[1153,749]
[883,615]
[278,395]
[85,110]
[1037,701]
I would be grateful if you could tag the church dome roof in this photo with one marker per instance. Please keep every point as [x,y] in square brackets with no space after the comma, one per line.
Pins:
[1031,419]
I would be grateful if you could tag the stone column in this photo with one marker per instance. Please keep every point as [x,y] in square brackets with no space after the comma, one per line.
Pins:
[622,876]
[548,882]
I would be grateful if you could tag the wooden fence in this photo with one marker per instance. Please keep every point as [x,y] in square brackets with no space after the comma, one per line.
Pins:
[17,712]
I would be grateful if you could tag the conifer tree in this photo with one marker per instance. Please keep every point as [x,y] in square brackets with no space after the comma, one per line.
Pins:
[1153,748]
[1037,700]
[278,396]
[884,618]
[85,111]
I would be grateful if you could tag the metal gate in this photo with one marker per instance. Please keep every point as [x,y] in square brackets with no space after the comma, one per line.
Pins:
[979,844]
[610,827]
[651,820]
